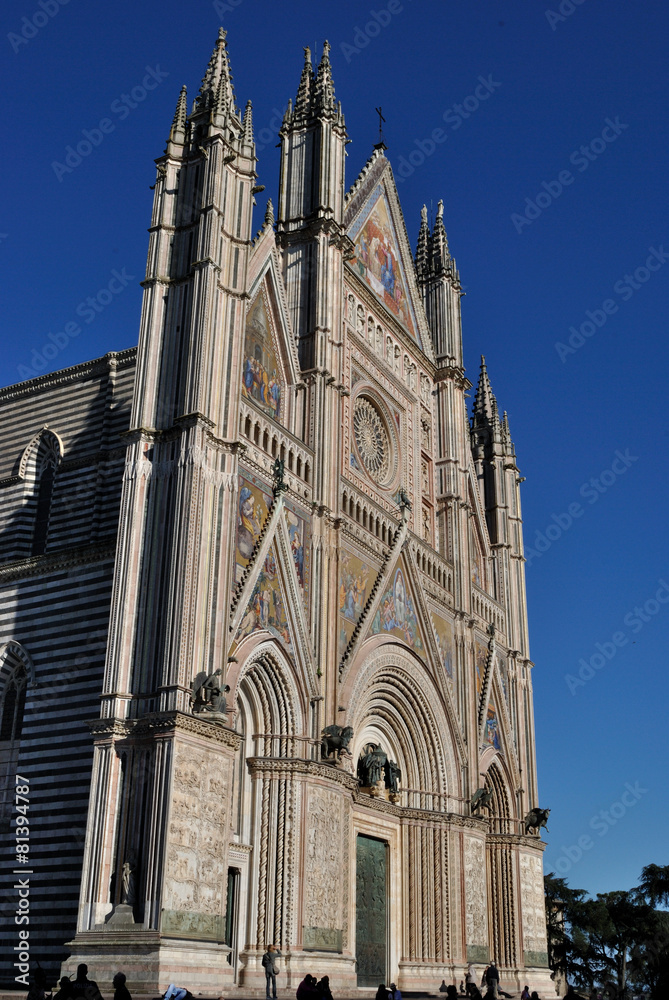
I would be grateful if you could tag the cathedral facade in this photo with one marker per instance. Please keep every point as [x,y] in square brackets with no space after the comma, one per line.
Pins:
[264,654]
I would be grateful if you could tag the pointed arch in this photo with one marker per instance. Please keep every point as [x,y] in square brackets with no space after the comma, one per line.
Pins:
[394,701]
[45,449]
[37,468]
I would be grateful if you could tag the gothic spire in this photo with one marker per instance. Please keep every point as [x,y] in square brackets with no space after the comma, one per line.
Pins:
[485,404]
[269,213]
[306,87]
[178,130]
[423,246]
[247,124]
[440,252]
[324,87]
[216,91]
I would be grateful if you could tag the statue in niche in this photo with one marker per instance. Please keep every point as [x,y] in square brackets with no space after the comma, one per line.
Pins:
[372,765]
[481,799]
[129,881]
[207,694]
[334,741]
[393,776]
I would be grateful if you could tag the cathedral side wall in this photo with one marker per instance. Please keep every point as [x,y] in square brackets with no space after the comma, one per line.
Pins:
[56,606]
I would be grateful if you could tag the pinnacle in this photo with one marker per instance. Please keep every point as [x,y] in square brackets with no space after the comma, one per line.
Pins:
[247,124]
[315,94]
[485,404]
[216,91]
[305,89]
[269,213]
[423,246]
[324,88]
[440,252]
[178,130]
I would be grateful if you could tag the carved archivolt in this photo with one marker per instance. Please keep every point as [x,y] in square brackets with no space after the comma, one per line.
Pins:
[394,695]
[46,448]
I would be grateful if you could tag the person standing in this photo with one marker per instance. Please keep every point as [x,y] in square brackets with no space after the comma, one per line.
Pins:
[492,979]
[83,988]
[394,993]
[121,991]
[470,980]
[271,970]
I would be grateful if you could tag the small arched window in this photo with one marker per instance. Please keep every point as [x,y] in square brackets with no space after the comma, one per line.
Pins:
[13,705]
[37,468]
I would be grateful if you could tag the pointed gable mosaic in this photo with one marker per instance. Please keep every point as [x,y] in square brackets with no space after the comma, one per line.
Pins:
[355,580]
[266,608]
[261,375]
[396,613]
[377,257]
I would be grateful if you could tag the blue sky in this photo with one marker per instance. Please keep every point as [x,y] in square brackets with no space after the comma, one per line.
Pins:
[555,195]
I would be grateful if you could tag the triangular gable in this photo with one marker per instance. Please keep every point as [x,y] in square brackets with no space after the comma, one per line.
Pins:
[269,360]
[382,255]
[396,612]
[278,601]
[266,609]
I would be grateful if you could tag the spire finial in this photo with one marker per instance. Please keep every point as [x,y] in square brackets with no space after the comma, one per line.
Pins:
[485,404]
[248,123]
[440,253]
[269,213]
[216,92]
[178,130]
[423,247]
[324,87]
[306,86]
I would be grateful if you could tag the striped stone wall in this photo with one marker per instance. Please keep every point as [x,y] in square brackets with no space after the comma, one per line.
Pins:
[56,606]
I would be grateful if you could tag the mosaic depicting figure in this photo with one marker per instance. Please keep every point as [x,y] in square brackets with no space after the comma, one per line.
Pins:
[378,260]
[252,508]
[444,633]
[396,614]
[260,379]
[266,608]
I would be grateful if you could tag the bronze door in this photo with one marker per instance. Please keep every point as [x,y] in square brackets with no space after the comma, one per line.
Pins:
[371,918]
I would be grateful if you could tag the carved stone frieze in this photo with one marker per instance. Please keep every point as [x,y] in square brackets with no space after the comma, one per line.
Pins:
[323,859]
[532,902]
[197,842]
[476,920]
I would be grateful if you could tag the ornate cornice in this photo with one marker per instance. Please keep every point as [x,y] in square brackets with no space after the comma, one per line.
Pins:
[49,563]
[314,769]
[115,359]
[162,723]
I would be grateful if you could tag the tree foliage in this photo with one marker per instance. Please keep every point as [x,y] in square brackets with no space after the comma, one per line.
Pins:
[618,940]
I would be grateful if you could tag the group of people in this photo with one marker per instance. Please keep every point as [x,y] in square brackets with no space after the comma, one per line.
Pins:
[80,988]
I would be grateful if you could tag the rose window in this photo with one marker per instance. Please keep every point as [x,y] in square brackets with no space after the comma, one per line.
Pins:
[371,438]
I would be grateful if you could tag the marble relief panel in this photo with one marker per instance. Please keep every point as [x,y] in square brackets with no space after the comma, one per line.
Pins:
[532,902]
[476,921]
[323,866]
[195,862]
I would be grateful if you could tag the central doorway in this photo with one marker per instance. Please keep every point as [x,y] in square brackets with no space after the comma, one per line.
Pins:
[371,918]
